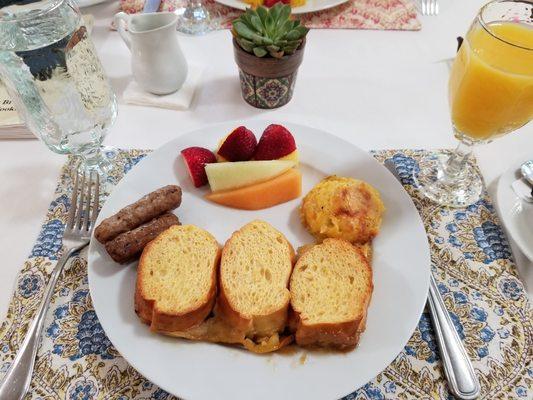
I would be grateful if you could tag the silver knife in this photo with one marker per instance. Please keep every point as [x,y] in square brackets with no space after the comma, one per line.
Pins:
[462,380]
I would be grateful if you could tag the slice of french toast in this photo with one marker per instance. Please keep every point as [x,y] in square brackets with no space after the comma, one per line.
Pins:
[255,268]
[177,279]
[330,287]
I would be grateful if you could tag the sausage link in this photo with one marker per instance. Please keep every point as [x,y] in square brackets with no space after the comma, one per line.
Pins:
[143,210]
[128,245]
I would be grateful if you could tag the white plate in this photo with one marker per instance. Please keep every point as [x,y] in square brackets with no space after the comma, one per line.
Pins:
[309,6]
[208,371]
[516,214]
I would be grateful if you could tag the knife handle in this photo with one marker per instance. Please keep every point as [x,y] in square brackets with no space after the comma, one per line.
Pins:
[462,380]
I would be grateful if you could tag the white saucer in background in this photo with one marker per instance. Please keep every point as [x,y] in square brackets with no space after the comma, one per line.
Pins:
[515,213]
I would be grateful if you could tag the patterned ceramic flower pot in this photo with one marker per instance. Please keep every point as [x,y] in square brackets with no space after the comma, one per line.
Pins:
[267,82]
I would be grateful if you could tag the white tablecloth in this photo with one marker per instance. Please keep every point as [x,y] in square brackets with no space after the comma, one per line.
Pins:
[378,89]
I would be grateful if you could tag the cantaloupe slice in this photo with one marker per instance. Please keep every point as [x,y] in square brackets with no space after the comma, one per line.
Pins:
[280,189]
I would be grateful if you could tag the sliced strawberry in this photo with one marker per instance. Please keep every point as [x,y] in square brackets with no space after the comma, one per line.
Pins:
[271,3]
[275,143]
[239,145]
[195,159]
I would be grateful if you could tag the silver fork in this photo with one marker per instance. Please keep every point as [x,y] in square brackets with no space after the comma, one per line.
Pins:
[429,7]
[80,224]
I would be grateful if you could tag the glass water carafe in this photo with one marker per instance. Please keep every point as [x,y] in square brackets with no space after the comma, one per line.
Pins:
[50,69]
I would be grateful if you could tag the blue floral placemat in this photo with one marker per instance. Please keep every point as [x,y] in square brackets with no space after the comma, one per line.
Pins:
[472,263]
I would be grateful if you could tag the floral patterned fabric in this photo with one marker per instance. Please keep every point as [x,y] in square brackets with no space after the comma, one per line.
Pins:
[355,14]
[471,261]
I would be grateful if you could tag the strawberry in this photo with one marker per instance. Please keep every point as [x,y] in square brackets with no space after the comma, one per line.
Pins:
[195,159]
[271,3]
[275,143]
[239,145]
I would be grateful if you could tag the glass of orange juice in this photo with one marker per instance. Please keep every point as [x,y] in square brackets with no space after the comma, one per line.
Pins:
[490,95]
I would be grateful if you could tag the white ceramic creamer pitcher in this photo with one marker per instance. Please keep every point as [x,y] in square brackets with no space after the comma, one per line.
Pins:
[157,62]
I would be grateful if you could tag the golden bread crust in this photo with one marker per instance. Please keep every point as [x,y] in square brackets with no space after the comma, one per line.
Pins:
[255,326]
[159,321]
[339,335]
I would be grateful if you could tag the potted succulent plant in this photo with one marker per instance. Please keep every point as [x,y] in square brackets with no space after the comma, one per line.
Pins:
[268,46]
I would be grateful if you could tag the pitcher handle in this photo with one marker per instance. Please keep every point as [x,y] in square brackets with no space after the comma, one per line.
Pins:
[121,20]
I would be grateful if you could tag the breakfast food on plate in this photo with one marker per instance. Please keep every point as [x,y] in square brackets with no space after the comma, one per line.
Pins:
[126,233]
[143,210]
[253,292]
[195,159]
[345,208]
[330,287]
[276,143]
[177,279]
[128,246]
[233,175]
[283,188]
[255,268]
[249,175]
[239,145]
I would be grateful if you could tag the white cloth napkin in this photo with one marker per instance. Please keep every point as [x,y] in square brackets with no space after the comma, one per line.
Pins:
[179,100]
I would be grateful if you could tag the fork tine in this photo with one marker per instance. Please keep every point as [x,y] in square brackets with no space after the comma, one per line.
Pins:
[80,203]
[424,7]
[87,213]
[73,201]
[436,7]
[96,201]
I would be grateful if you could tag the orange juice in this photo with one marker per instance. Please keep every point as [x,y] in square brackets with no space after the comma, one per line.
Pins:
[491,82]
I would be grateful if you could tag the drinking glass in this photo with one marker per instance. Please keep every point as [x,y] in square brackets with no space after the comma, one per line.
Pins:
[194,18]
[490,95]
[54,77]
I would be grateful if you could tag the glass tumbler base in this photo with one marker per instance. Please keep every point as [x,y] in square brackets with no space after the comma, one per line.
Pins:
[459,191]
[97,162]
[194,21]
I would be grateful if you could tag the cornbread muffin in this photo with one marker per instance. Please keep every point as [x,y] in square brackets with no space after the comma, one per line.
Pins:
[342,208]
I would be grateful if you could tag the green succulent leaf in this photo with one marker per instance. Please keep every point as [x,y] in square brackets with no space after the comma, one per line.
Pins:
[246,18]
[275,11]
[262,13]
[267,41]
[260,51]
[302,30]
[272,48]
[293,35]
[257,24]
[246,44]
[284,11]
[242,30]
[269,25]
